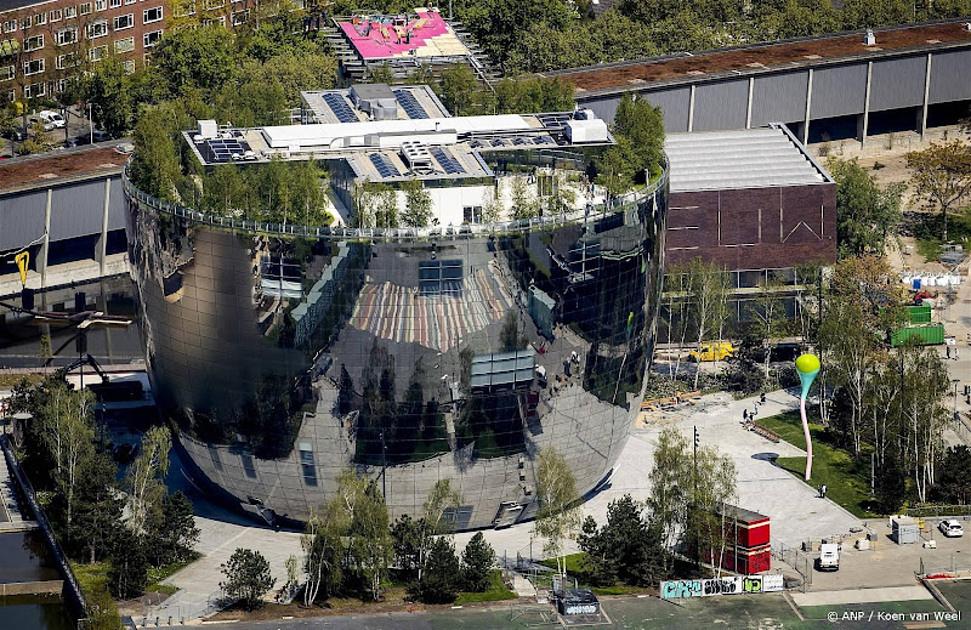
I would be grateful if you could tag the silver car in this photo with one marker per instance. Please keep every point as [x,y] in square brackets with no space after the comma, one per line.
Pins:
[951,528]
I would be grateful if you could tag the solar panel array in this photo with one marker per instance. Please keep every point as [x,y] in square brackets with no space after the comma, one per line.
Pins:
[553,120]
[449,163]
[340,108]
[410,104]
[384,165]
[519,141]
[223,150]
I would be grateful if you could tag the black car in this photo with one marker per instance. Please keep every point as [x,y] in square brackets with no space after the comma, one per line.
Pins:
[85,138]
[16,134]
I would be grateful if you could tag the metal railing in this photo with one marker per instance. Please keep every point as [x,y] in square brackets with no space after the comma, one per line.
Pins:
[629,201]
[72,589]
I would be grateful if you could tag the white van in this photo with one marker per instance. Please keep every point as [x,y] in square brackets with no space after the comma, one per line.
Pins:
[48,119]
[829,558]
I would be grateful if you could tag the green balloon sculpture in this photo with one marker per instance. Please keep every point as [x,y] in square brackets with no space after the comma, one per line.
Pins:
[807,365]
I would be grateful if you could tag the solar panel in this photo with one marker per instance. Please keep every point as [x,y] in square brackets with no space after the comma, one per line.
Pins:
[410,104]
[339,106]
[449,163]
[223,150]
[384,165]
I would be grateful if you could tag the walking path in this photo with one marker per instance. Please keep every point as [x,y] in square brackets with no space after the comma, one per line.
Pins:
[861,596]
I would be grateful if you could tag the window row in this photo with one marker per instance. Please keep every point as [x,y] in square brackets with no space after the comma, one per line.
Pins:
[153,14]
[71,60]
[35,90]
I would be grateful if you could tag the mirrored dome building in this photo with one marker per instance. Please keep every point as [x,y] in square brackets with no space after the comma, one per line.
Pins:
[285,354]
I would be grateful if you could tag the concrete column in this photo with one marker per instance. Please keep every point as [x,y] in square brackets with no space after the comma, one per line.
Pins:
[927,95]
[45,244]
[102,246]
[691,110]
[865,123]
[748,108]
[809,105]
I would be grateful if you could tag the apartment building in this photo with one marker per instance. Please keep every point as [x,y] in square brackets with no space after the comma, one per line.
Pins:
[43,44]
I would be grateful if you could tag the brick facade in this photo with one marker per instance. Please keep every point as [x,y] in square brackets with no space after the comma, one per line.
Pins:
[753,228]
[44,43]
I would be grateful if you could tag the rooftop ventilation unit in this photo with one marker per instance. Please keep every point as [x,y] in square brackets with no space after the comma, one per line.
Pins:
[416,155]
[869,39]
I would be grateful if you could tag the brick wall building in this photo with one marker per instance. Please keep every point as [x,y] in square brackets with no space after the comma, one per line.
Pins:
[748,200]
[42,44]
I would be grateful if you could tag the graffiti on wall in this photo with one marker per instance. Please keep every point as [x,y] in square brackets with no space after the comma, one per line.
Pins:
[680,589]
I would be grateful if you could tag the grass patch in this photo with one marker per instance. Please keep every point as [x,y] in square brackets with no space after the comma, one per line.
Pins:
[10,380]
[929,249]
[93,580]
[157,574]
[496,592]
[575,568]
[848,484]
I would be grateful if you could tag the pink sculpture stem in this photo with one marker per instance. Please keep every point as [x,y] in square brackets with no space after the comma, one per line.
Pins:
[809,444]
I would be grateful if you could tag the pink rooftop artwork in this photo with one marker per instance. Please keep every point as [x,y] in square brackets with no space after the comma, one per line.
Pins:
[424,34]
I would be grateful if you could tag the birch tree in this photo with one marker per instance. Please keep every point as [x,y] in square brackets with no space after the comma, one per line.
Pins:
[145,485]
[668,499]
[558,518]
[707,295]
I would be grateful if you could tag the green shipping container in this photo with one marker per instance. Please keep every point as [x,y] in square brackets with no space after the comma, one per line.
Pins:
[925,335]
[919,314]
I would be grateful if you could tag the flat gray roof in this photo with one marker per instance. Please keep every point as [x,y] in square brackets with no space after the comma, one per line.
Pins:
[750,158]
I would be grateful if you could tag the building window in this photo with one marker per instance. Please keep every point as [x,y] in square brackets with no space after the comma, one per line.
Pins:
[7,73]
[214,4]
[60,85]
[66,36]
[33,43]
[124,21]
[100,5]
[40,18]
[221,21]
[25,22]
[64,62]
[151,15]
[240,17]
[129,65]
[98,53]
[10,26]
[35,90]
[55,15]
[130,1]
[307,464]
[34,66]
[150,39]
[125,45]
[472,214]
[84,8]
[70,12]
[97,29]
[185,8]
[114,4]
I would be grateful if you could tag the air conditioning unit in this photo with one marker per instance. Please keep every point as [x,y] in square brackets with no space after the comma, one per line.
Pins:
[416,155]
[869,39]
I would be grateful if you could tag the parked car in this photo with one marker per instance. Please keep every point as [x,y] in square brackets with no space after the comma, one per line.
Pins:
[48,119]
[85,137]
[829,557]
[951,528]
[16,134]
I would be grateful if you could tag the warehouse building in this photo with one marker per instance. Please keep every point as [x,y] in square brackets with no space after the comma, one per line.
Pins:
[829,88]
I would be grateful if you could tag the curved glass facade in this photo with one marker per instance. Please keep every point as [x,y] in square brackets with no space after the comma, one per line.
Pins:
[285,358]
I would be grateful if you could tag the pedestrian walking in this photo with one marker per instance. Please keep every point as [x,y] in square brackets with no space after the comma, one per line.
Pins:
[947,349]
[745,415]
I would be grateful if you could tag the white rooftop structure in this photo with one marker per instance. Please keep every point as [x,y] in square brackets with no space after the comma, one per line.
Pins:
[750,158]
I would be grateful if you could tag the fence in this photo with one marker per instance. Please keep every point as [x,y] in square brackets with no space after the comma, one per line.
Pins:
[797,559]
[72,591]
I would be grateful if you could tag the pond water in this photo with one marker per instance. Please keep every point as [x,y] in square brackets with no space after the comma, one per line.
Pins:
[25,559]
[34,612]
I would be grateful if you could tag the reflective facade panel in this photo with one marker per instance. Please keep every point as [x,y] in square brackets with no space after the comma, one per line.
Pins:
[283,359]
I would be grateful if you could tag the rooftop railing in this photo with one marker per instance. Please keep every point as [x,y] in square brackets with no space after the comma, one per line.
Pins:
[629,201]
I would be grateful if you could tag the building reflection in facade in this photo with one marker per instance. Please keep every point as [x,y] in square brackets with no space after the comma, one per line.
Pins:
[283,359]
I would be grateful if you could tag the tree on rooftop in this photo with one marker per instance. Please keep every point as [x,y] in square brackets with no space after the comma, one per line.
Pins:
[534,95]
[156,167]
[418,209]
[108,88]
[458,87]
[941,176]
[865,214]
[498,24]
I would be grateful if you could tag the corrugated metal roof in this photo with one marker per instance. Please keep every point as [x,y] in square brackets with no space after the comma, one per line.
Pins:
[750,158]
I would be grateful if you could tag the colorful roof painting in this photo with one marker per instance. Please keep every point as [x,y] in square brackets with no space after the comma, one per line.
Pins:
[422,34]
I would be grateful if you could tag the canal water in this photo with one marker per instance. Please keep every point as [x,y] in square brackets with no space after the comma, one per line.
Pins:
[34,612]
